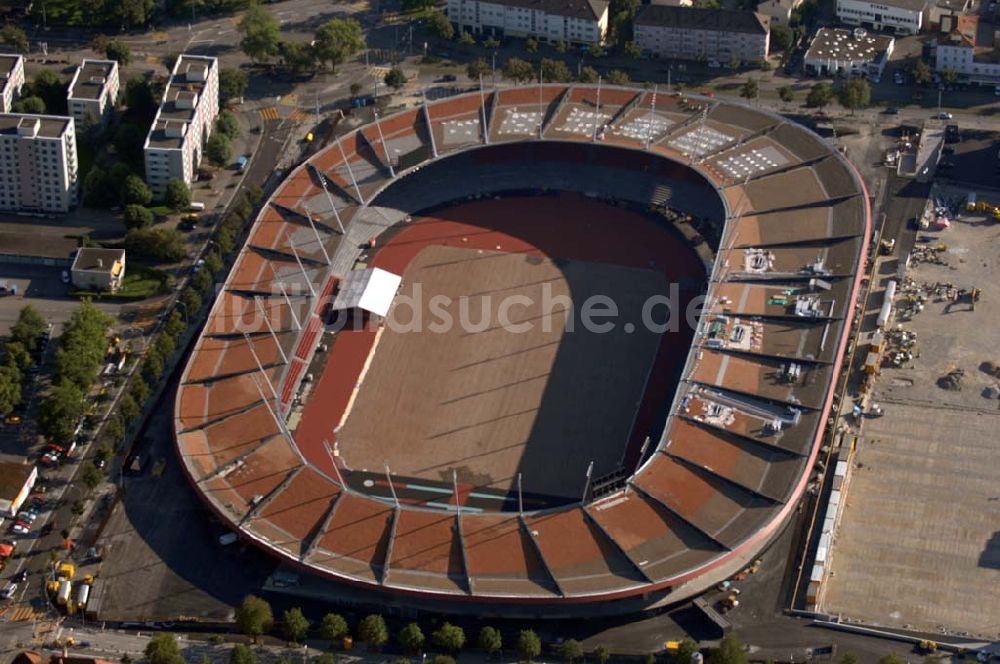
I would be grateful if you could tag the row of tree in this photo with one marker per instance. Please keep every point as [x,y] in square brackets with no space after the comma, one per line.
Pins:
[18,355]
[335,41]
[549,70]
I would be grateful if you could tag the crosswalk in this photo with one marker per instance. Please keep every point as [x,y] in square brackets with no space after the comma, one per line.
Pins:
[378,72]
[298,115]
[269,113]
[289,99]
[21,613]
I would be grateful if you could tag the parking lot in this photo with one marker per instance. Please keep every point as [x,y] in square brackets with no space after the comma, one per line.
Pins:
[976,160]
[919,543]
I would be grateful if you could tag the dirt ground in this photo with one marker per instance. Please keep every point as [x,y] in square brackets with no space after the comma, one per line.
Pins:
[489,400]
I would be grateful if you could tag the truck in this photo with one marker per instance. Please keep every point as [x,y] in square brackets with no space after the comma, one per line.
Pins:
[63,594]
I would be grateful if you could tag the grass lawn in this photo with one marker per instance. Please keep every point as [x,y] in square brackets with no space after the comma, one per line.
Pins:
[140,282]
[161,210]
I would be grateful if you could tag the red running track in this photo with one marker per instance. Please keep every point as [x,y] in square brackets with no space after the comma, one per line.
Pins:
[565,226]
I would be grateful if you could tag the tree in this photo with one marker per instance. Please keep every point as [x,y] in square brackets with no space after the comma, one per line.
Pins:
[749,89]
[531,45]
[730,651]
[218,150]
[819,95]
[227,123]
[242,654]
[439,26]
[395,78]
[91,476]
[595,50]
[337,40]
[114,429]
[781,38]
[686,651]
[52,89]
[98,189]
[10,388]
[477,68]
[294,625]
[855,94]
[618,77]
[59,413]
[298,56]
[254,617]
[162,244]
[443,659]
[135,191]
[786,93]
[518,70]
[140,100]
[128,143]
[411,638]
[570,650]
[355,89]
[466,39]
[177,196]
[602,654]
[30,105]
[490,640]
[949,77]
[631,50]
[162,649]
[133,13]
[232,84]
[491,43]
[529,645]
[921,73]
[29,327]
[16,355]
[372,631]
[588,75]
[137,216]
[449,637]
[325,658]
[554,71]
[891,658]
[192,301]
[140,390]
[333,627]
[261,34]
[152,366]
[118,51]
[850,658]
[127,407]
[14,37]
[202,281]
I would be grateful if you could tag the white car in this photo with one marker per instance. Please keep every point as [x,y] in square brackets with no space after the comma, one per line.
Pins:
[19,529]
[8,591]
[944,115]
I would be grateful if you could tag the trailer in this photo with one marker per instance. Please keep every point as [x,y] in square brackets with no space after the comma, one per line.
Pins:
[65,588]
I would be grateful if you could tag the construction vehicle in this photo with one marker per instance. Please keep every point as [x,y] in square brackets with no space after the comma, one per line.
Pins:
[66,570]
[63,594]
[672,647]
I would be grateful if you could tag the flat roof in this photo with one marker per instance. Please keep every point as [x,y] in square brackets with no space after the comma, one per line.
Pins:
[720,20]
[13,477]
[187,82]
[91,79]
[912,5]
[8,61]
[49,126]
[854,45]
[95,259]
[582,9]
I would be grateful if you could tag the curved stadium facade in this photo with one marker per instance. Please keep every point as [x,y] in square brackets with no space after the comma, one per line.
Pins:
[704,484]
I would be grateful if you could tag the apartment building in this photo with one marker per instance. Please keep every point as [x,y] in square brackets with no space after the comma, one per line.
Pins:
[573,21]
[93,91]
[685,33]
[851,53]
[183,123]
[904,17]
[38,168]
[780,11]
[959,51]
[12,70]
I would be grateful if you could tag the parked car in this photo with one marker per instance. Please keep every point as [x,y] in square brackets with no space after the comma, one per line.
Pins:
[892,110]
[944,115]
[8,591]
[19,529]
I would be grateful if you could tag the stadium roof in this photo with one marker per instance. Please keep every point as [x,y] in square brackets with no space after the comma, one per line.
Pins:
[741,434]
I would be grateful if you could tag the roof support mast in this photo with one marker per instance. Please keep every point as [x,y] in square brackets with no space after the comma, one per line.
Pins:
[267,323]
[319,240]
[350,172]
[305,275]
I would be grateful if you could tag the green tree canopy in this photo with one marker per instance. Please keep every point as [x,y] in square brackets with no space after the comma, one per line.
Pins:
[118,51]
[294,625]
[588,74]
[337,40]
[219,150]
[395,78]
[232,84]
[448,637]
[160,244]
[439,26]
[921,73]
[490,640]
[254,617]
[555,71]
[261,34]
[891,658]
[17,355]
[466,39]
[10,388]
[135,191]
[372,630]
[529,646]
[477,68]
[298,56]
[820,95]
[128,142]
[52,89]
[140,100]
[518,70]
[137,216]
[730,651]
[91,476]
[81,347]
[127,407]
[242,654]
[30,104]
[570,650]
[227,123]
[602,654]
[631,50]
[178,195]
[333,627]
[786,93]
[162,649]
[850,658]
[14,38]
[750,89]
[781,38]
[855,93]
[618,77]
[411,638]
[29,327]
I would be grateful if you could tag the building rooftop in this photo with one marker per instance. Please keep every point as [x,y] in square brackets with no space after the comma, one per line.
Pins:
[841,44]
[38,126]
[91,79]
[8,61]
[584,9]
[912,5]
[13,477]
[95,259]
[725,20]
[180,100]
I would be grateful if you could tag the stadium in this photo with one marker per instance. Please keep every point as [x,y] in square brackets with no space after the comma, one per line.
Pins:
[547,348]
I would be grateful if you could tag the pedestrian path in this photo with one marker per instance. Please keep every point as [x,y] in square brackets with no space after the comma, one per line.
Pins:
[269,113]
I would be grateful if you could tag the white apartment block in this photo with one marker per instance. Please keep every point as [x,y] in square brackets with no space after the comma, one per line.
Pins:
[981,66]
[93,91]
[12,70]
[780,11]
[904,17]
[573,21]
[686,33]
[185,120]
[38,169]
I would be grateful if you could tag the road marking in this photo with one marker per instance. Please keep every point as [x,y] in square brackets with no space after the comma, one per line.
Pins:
[298,115]
[270,113]
[290,100]
[378,72]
